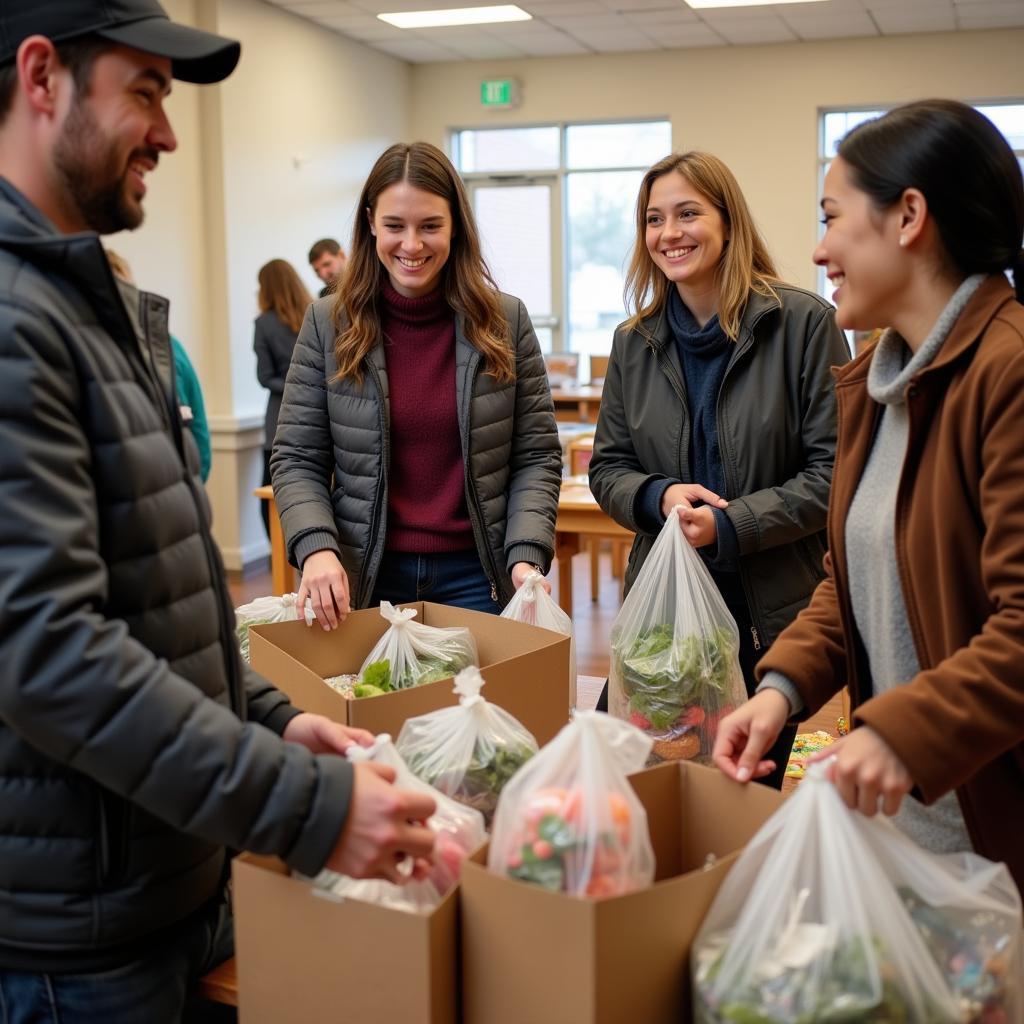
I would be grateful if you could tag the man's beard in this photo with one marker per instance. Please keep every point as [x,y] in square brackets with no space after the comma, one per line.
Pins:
[94,175]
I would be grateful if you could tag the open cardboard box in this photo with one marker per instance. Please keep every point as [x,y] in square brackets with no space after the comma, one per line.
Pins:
[529,955]
[526,669]
[304,955]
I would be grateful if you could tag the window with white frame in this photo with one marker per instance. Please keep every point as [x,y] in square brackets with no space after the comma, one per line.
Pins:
[555,205]
[1007,117]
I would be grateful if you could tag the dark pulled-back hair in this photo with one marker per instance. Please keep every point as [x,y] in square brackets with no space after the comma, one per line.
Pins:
[77,55]
[959,161]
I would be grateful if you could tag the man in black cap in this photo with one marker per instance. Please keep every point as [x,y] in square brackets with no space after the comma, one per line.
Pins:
[135,746]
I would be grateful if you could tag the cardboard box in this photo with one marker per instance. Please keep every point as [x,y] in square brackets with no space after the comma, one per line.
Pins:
[305,955]
[529,955]
[526,669]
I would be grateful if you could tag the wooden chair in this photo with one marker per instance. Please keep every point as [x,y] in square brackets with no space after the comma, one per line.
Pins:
[598,368]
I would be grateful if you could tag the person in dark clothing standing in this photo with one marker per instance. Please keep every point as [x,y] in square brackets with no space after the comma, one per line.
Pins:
[327,258]
[135,746]
[718,398]
[283,301]
[416,455]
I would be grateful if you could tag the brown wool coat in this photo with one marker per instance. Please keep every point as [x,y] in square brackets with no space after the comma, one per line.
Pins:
[959,723]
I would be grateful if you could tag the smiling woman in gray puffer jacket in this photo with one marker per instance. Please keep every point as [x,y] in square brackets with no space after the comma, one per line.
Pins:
[416,454]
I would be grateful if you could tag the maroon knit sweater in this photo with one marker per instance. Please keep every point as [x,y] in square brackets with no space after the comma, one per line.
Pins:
[427,510]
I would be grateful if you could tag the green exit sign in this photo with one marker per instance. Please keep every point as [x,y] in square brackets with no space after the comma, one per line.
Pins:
[499,93]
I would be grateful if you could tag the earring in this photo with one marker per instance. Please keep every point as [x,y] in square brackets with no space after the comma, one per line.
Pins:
[903,241]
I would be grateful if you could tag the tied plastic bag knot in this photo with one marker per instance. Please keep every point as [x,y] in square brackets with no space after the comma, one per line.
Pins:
[468,684]
[359,755]
[398,617]
[820,771]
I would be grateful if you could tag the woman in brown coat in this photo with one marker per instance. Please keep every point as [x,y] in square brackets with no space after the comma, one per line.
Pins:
[922,611]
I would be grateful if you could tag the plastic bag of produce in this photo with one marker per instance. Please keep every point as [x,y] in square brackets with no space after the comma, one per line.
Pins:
[470,751]
[829,915]
[458,832]
[674,670]
[533,605]
[264,610]
[412,653]
[570,821]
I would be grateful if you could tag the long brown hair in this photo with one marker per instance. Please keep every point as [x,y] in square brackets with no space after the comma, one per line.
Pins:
[468,286]
[745,265]
[282,292]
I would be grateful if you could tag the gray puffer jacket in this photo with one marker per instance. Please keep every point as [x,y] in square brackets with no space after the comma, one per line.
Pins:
[134,745]
[330,461]
[776,432]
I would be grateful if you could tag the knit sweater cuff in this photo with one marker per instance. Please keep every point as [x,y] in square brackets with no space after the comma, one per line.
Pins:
[311,543]
[727,544]
[777,681]
[532,553]
[647,504]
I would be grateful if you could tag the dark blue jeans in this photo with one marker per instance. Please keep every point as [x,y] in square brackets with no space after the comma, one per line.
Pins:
[456,578]
[154,989]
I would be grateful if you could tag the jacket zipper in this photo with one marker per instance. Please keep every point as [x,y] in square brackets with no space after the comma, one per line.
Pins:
[173,421]
[755,637]
[472,505]
[369,576]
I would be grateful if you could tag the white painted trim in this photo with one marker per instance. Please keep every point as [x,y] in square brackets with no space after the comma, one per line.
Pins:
[226,424]
[238,558]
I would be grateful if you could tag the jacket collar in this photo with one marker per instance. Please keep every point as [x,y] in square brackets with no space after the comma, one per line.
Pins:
[658,332]
[994,293]
[27,233]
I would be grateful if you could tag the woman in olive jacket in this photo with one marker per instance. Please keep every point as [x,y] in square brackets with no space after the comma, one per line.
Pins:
[718,398]
[922,613]
[417,456]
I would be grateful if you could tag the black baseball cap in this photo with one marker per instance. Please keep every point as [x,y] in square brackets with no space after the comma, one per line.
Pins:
[195,55]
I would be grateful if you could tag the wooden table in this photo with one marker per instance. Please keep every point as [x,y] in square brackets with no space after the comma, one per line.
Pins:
[282,576]
[579,517]
[580,402]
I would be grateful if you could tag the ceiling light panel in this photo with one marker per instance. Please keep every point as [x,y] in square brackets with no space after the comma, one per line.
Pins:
[455,16]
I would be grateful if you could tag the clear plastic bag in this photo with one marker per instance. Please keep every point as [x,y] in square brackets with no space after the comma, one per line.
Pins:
[468,752]
[411,653]
[263,610]
[570,821]
[533,605]
[829,915]
[458,831]
[675,671]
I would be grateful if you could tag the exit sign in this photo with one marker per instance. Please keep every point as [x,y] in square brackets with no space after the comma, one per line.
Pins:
[499,93]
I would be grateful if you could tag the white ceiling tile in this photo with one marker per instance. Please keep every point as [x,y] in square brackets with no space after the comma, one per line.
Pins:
[1002,14]
[417,51]
[684,11]
[622,41]
[489,49]
[670,17]
[681,36]
[315,8]
[754,29]
[559,45]
[808,25]
[902,5]
[566,8]
[606,22]
[375,30]
[914,19]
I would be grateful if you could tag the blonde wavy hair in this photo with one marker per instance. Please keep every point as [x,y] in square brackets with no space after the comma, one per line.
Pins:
[745,265]
[468,286]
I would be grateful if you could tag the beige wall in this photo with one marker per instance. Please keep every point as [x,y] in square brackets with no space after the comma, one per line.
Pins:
[754,106]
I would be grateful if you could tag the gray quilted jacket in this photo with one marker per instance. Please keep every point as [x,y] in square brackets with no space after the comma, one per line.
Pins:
[134,745]
[330,461]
